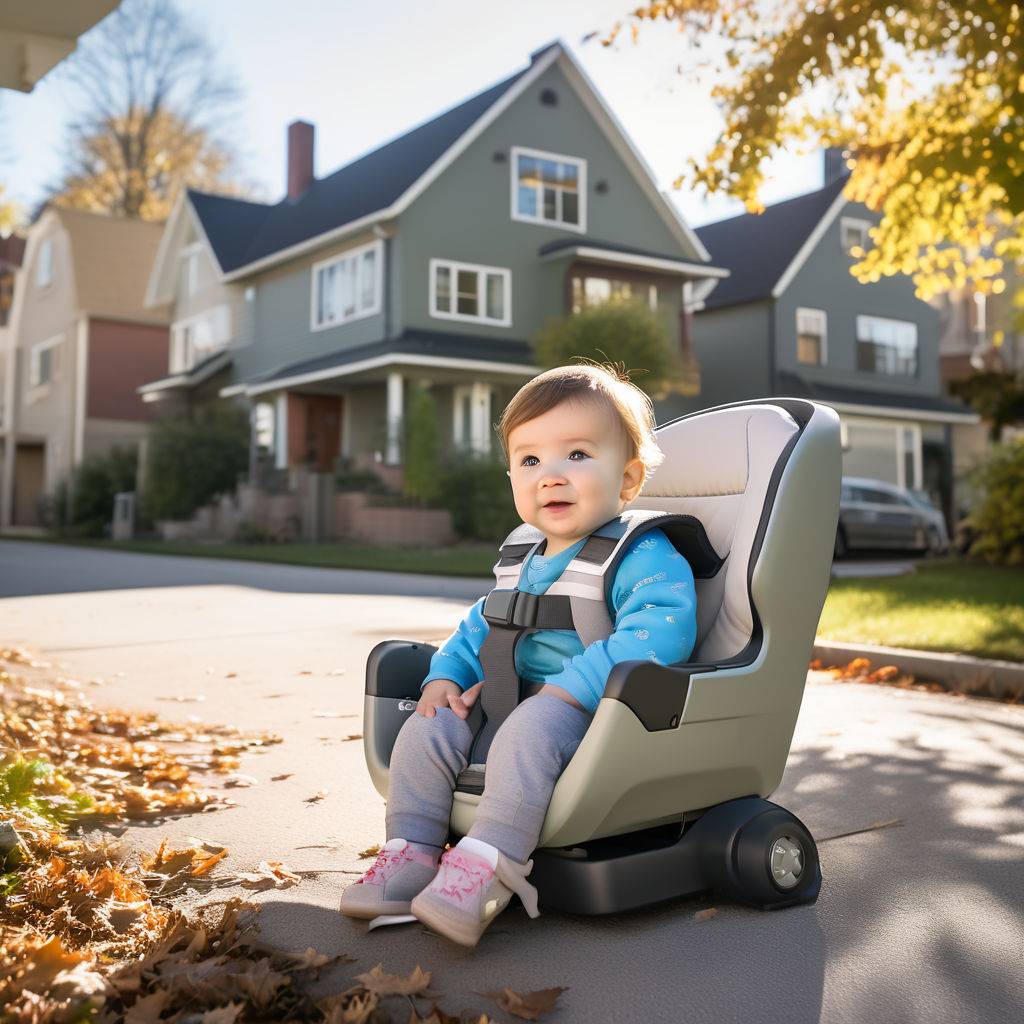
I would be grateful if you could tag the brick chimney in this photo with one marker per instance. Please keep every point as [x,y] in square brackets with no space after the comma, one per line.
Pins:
[300,158]
[833,165]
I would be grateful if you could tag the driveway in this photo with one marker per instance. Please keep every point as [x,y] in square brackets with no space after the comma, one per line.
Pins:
[919,922]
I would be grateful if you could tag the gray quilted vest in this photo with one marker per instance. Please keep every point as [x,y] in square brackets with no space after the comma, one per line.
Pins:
[580,600]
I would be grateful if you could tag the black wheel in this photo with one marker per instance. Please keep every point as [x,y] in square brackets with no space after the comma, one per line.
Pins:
[841,548]
[775,862]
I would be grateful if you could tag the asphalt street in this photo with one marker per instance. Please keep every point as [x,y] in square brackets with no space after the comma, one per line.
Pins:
[919,922]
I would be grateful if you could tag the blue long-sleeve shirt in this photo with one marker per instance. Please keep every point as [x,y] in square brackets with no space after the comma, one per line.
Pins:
[655,619]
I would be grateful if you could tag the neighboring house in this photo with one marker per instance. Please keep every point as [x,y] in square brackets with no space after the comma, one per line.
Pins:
[433,258]
[12,249]
[80,343]
[978,332]
[791,320]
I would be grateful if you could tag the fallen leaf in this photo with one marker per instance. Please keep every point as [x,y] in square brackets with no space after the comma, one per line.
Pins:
[417,983]
[316,797]
[703,915]
[184,699]
[370,851]
[147,1010]
[230,675]
[269,875]
[280,778]
[239,780]
[527,1005]
[222,1015]
[207,865]
[353,736]
[305,672]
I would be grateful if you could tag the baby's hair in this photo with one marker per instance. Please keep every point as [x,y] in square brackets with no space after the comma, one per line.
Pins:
[608,386]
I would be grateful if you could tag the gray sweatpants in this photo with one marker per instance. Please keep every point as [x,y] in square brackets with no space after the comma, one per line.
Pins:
[529,752]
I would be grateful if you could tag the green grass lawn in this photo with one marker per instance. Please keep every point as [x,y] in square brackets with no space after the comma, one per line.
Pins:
[946,605]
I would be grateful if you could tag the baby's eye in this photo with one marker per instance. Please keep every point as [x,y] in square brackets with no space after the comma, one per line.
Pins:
[575,451]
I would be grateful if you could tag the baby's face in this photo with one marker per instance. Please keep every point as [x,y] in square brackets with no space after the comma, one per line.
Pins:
[574,453]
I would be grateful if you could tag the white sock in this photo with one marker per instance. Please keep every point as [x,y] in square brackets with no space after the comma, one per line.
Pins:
[481,849]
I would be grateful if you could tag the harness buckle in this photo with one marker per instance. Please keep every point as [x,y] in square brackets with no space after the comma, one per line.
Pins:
[510,608]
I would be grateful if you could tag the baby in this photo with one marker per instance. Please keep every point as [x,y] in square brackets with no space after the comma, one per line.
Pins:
[580,437]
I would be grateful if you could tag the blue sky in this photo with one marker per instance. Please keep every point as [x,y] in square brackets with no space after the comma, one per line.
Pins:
[364,72]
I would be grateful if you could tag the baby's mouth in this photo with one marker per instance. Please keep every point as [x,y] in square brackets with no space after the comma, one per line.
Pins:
[557,504]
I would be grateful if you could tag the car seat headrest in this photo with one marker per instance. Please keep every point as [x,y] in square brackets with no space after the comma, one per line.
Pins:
[718,468]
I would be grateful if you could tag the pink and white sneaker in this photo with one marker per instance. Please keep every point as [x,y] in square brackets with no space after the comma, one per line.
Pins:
[468,893]
[398,874]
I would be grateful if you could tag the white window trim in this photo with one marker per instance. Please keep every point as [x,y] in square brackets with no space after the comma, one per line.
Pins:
[857,222]
[190,258]
[188,321]
[581,163]
[481,400]
[824,334]
[481,270]
[377,245]
[897,427]
[45,246]
[34,383]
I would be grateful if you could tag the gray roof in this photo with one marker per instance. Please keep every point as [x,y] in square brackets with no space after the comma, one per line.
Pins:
[418,342]
[242,232]
[756,248]
[794,386]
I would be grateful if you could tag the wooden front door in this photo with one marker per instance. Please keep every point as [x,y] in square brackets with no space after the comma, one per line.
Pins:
[314,428]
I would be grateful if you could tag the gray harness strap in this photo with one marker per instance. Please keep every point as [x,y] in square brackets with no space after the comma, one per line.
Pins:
[575,601]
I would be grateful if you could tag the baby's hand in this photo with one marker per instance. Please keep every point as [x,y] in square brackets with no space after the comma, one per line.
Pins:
[462,702]
[435,695]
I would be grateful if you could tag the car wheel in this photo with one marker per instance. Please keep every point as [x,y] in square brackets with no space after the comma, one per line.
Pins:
[841,548]
[776,861]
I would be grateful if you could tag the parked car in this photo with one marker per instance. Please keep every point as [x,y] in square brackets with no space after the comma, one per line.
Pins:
[877,514]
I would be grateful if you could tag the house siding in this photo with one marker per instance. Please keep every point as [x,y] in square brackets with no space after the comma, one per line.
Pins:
[121,357]
[280,315]
[465,214]
[825,282]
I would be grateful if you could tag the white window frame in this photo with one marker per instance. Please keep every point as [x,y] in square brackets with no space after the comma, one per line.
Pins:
[220,328]
[44,263]
[889,320]
[897,427]
[857,223]
[481,400]
[356,253]
[190,259]
[811,312]
[581,192]
[481,270]
[35,362]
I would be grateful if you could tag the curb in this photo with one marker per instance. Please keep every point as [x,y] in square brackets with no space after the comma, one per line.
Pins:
[956,671]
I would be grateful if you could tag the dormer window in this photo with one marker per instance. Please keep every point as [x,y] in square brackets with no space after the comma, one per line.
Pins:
[44,264]
[548,188]
[853,232]
[190,268]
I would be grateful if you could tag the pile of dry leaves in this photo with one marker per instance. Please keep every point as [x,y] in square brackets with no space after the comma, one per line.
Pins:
[88,930]
[859,670]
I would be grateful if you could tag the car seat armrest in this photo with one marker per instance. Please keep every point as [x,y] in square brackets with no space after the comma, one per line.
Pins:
[655,693]
[397,668]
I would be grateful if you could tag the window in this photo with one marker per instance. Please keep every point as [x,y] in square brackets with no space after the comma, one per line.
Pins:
[43,362]
[853,231]
[886,346]
[190,268]
[811,336]
[548,188]
[590,291]
[195,339]
[44,266]
[467,291]
[347,287]
[263,426]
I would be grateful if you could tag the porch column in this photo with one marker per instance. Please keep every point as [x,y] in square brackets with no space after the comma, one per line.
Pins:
[394,421]
[281,431]
[480,417]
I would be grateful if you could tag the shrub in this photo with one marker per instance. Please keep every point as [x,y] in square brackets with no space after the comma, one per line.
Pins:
[475,489]
[347,478]
[997,519]
[626,331]
[84,506]
[420,446]
[193,459]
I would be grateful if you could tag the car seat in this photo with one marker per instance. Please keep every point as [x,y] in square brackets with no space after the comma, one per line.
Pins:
[667,793]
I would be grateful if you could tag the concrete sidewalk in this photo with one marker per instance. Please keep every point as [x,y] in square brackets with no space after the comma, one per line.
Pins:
[919,922]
